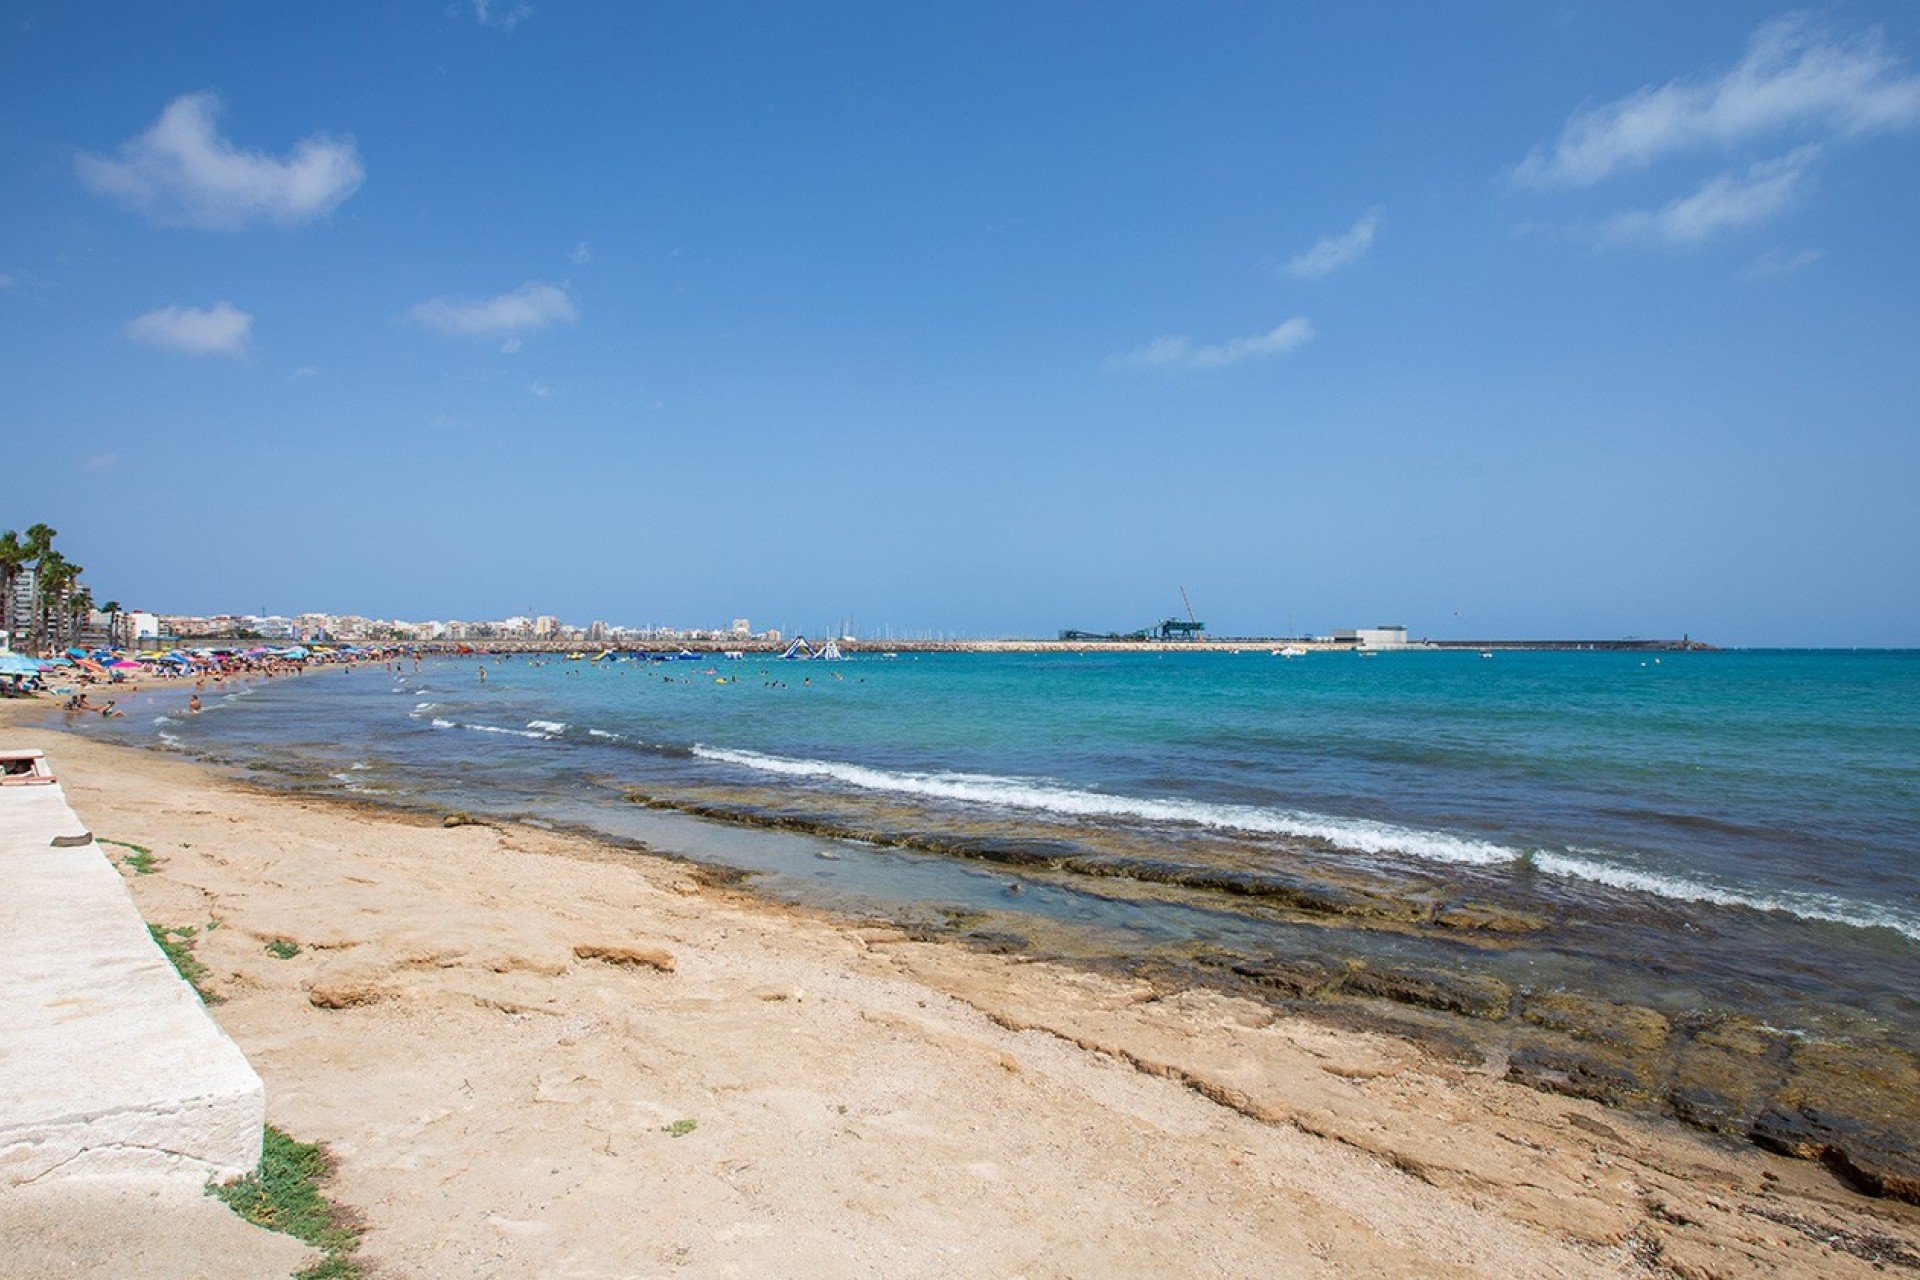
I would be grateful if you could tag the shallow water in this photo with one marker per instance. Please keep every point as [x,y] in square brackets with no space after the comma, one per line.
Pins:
[1722,829]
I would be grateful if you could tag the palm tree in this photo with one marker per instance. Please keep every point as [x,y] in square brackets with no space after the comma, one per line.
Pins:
[80,611]
[52,578]
[38,545]
[112,609]
[13,558]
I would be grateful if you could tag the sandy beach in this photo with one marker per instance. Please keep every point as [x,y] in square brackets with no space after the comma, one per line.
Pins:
[534,1054]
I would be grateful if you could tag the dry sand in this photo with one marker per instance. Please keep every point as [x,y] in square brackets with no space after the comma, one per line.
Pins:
[497,1030]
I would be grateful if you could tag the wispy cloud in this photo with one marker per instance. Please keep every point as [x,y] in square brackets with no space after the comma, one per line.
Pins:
[1178,351]
[1794,80]
[501,17]
[304,372]
[539,390]
[220,330]
[1727,202]
[101,462]
[1331,253]
[181,172]
[6,282]
[582,254]
[1778,262]
[534,305]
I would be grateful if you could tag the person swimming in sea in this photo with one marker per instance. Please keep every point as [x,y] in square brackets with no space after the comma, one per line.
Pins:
[193,705]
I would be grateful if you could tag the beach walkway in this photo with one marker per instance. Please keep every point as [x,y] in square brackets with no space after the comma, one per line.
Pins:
[110,1064]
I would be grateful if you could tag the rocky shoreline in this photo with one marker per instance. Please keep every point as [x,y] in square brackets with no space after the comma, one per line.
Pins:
[1852,1104]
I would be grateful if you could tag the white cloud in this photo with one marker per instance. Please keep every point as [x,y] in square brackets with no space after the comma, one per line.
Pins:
[1178,351]
[582,253]
[533,305]
[181,172]
[512,346]
[1778,262]
[221,330]
[6,282]
[304,372]
[1334,252]
[539,390]
[1793,80]
[501,17]
[1726,203]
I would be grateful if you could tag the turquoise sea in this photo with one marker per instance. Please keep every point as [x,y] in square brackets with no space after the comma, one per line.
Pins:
[1737,829]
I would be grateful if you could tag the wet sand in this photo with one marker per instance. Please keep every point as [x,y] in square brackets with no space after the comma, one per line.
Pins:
[502,1034]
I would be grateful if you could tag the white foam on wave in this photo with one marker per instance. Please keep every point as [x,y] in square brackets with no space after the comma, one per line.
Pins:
[602,733]
[165,720]
[547,726]
[421,708]
[438,723]
[1358,834]
[169,740]
[515,733]
[1808,906]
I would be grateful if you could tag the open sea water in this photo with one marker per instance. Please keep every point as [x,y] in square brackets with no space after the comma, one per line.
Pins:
[1727,827]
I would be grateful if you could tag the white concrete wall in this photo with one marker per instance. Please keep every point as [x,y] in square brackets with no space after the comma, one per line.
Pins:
[109,1064]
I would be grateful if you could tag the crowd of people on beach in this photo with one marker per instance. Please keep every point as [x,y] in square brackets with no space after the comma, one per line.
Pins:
[73,675]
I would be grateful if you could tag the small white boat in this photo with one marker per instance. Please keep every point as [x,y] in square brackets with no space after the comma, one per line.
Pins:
[1290,651]
[1486,653]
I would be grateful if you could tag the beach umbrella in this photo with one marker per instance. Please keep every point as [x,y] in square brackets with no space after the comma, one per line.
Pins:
[124,664]
[18,664]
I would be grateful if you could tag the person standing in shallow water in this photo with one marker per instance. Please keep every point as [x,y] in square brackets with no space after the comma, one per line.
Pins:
[483,673]
[193,704]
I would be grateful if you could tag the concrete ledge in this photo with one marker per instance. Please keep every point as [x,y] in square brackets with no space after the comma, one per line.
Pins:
[109,1064]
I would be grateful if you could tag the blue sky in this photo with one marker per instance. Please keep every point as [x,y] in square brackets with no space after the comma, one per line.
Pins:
[1489,319]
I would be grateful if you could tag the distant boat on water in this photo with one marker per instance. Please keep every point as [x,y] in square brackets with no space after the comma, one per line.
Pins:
[1290,651]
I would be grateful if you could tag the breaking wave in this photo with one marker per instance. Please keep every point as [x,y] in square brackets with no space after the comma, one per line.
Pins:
[1807,906]
[1359,834]
[514,733]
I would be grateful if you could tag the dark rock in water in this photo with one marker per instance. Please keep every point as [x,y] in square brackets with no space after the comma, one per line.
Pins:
[1012,851]
[1590,1071]
[996,941]
[1295,979]
[1628,1026]
[1481,918]
[1474,995]
[1873,1161]
[1295,893]
[1855,1108]
[1724,1072]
